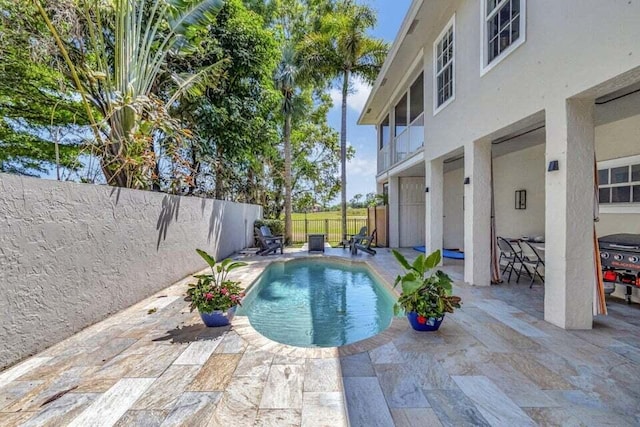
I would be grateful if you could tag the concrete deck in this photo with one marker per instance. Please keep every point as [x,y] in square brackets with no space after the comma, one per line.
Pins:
[494,362]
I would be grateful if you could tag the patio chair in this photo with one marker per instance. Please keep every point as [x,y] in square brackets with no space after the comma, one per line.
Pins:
[532,262]
[363,243]
[349,238]
[509,257]
[268,242]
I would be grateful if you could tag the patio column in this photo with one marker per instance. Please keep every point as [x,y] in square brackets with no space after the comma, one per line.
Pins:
[394,212]
[569,254]
[434,200]
[477,213]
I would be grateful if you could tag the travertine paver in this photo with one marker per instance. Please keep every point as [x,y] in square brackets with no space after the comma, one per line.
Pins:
[494,362]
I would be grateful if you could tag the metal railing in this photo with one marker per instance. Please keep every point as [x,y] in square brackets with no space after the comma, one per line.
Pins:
[331,228]
[402,146]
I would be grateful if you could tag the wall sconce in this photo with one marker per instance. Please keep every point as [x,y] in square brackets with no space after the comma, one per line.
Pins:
[467,181]
[553,166]
[426,190]
[521,199]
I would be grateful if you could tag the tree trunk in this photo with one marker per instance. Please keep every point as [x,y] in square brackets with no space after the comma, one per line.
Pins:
[287,179]
[219,188]
[343,153]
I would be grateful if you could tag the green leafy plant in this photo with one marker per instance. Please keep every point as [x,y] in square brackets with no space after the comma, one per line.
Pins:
[215,291]
[425,291]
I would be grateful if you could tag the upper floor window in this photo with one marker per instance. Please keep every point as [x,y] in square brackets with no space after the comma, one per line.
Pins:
[385,136]
[401,116]
[416,98]
[619,181]
[444,67]
[503,29]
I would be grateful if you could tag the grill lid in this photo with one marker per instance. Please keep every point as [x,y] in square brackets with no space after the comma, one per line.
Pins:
[630,241]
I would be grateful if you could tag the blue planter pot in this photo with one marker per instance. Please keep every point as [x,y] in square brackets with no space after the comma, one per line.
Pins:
[430,324]
[218,317]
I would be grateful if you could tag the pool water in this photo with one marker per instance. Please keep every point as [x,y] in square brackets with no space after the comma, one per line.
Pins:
[317,303]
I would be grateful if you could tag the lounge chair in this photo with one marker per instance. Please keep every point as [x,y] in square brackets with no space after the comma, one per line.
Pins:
[268,242]
[363,243]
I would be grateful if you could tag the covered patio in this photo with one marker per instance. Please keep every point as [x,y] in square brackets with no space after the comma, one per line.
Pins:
[494,362]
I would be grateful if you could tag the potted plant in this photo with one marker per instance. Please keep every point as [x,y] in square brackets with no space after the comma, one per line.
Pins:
[426,294]
[215,297]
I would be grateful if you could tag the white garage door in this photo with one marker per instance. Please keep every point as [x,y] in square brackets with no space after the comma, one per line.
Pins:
[412,212]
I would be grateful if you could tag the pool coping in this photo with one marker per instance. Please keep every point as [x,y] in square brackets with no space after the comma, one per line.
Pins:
[242,326]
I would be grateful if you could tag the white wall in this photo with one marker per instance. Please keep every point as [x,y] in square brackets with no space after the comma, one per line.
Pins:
[453,209]
[520,170]
[72,254]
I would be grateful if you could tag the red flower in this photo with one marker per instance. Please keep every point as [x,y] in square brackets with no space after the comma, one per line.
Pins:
[208,296]
[422,320]
[224,291]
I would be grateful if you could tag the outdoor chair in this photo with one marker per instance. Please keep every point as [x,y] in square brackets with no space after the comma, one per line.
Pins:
[532,262]
[509,258]
[268,242]
[349,238]
[363,243]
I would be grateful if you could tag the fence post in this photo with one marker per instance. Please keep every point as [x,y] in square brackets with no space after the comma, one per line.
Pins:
[306,229]
[326,228]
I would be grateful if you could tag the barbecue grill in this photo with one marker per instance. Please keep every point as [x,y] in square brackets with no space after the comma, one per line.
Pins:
[620,256]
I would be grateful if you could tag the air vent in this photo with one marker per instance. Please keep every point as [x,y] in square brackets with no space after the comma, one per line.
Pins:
[412,27]
[368,110]
[384,82]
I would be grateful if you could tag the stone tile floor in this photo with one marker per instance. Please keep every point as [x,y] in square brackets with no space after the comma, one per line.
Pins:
[494,362]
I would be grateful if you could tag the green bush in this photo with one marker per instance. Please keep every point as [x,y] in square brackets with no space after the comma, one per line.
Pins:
[275,225]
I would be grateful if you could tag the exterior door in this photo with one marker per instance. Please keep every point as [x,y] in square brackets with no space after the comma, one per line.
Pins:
[412,212]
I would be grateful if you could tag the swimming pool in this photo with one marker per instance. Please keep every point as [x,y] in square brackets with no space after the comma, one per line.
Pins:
[318,303]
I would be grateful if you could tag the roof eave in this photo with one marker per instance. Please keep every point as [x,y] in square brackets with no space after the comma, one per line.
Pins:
[395,48]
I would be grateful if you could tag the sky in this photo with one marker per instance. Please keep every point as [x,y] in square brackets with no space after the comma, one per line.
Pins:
[361,170]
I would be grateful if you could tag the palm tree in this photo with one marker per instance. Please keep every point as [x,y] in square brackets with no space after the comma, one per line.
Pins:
[286,77]
[116,67]
[341,49]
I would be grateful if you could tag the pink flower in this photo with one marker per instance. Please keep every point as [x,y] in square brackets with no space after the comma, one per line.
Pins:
[208,296]
[224,291]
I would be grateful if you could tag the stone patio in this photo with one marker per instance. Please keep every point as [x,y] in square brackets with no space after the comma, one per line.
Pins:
[494,362]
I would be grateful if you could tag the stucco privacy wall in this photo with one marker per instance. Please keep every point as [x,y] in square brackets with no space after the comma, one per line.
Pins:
[72,254]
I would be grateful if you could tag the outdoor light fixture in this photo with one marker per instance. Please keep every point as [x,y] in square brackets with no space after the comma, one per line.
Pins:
[521,199]
[553,166]
[426,190]
[467,180]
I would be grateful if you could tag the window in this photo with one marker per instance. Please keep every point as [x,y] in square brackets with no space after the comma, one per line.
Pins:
[444,68]
[384,136]
[401,116]
[619,181]
[503,29]
[416,98]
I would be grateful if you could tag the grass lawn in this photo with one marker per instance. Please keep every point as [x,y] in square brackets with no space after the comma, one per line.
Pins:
[351,214]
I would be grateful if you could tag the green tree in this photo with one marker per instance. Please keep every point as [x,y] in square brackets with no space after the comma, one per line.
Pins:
[40,121]
[341,49]
[115,60]
[234,121]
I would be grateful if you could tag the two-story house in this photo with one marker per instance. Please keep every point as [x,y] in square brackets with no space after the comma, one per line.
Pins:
[519,99]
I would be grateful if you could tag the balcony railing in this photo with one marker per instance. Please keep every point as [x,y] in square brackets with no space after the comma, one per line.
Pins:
[404,145]
[384,158]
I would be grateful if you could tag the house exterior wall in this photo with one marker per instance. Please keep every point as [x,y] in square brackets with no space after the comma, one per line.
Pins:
[73,254]
[453,209]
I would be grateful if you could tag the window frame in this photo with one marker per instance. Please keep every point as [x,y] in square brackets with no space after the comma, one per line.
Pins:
[451,25]
[620,207]
[485,65]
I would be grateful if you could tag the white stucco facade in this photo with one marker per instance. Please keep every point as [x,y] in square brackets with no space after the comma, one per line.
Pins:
[565,90]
